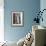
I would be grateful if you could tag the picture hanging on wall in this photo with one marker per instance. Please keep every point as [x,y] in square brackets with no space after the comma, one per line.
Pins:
[17,18]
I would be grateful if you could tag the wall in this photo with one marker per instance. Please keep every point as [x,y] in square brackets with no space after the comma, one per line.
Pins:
[30,7]
[43,6]
[1,20]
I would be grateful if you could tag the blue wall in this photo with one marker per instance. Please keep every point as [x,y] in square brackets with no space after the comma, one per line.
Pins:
[29,7]
[43,6]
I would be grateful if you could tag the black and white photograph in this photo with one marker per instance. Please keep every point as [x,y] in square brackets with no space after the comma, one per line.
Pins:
[17,18]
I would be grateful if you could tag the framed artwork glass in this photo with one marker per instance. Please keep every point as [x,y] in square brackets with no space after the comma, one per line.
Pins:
[17,18]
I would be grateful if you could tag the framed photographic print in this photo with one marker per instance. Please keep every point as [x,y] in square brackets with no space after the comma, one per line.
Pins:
[17,18]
